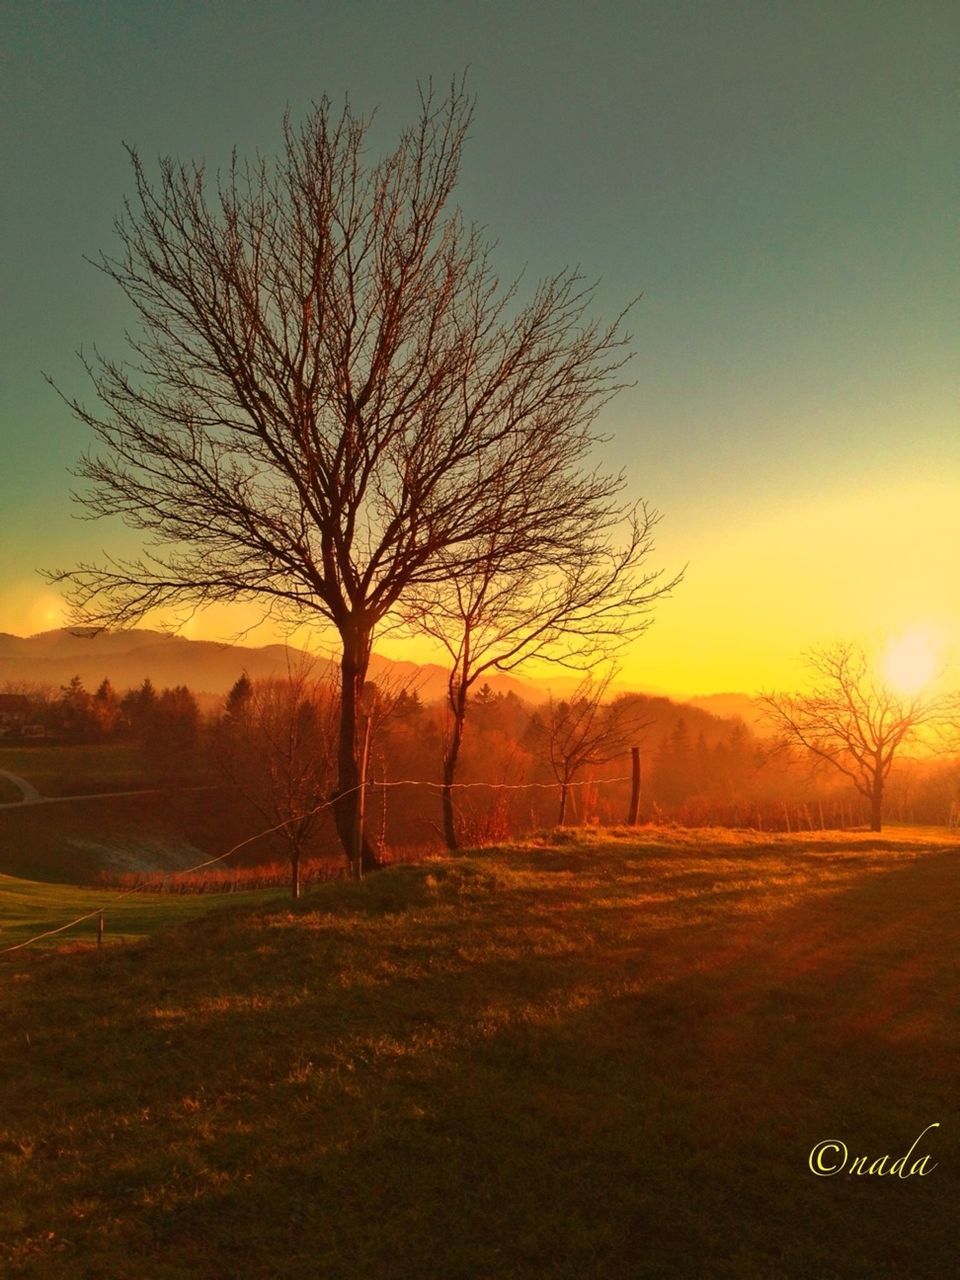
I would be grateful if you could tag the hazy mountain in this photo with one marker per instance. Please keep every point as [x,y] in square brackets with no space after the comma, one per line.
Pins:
[208,668]
[128,657]
[728,705]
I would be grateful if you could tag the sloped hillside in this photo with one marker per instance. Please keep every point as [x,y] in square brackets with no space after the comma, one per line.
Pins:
[596,1059]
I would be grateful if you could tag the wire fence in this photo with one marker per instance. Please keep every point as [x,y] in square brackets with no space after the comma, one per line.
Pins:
[774,817]
[118,895]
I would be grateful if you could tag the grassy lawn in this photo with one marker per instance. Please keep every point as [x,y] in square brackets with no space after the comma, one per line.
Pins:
[73,770]
[69,842]
[602,1058]
[28,907]
[83,769]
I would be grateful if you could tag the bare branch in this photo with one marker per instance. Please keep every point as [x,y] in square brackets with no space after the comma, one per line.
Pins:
[330,405]
[852,720]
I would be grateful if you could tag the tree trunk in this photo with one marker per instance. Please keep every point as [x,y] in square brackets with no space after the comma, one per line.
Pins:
[346,807]
[458,705]
[295,873]
[634,813]
[876,806]
[563,804]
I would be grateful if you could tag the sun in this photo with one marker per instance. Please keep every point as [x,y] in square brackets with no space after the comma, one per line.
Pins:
[910,662]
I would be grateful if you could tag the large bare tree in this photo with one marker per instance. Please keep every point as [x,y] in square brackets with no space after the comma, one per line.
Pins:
[852,720]
[330,399]
[572,592]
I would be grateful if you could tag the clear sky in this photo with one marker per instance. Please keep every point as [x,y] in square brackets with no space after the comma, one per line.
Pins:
[778,180]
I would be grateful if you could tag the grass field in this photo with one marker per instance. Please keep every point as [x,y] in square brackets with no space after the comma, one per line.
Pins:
[74,770]
[606,1057]
[29,907]
[71,841]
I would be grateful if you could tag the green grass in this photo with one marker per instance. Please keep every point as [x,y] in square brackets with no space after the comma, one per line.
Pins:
[72,840]
[29,907]
[73,770]
[606,1057]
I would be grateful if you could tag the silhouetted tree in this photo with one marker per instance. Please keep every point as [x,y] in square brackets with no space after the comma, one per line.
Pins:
[331,402]
[852,720]
[238,699]
[407,707]
[138,707]
[277,744]
[563,592]
[77,721]
[585,731]
[171,734]
[105,706]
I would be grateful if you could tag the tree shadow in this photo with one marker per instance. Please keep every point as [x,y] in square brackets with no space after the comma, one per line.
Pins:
[592,1094]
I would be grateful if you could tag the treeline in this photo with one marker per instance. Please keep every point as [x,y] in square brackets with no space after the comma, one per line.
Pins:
[697,769]
[275,741]
[166,723]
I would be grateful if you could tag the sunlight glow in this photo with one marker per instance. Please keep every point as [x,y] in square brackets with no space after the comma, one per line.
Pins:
[910,662]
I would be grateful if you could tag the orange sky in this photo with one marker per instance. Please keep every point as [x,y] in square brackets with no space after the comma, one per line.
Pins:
[759,590]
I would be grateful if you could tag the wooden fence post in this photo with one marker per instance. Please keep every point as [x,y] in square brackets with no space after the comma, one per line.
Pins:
[635,788]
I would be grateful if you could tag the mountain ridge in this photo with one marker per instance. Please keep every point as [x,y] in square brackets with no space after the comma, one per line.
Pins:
[210,667]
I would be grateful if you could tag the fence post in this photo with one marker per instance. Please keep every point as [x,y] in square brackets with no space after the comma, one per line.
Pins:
[635,788]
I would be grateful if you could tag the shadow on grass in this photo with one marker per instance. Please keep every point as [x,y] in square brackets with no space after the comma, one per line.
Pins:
[445,1072]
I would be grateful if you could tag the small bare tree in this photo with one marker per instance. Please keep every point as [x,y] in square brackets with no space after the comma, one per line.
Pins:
[567,594]
[330,400]
[277,744]
[586,731]
[852,720]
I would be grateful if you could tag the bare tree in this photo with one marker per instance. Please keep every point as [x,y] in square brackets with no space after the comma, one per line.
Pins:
[566,593]
[852,720]
[277,744]
[330,398]
[585,731]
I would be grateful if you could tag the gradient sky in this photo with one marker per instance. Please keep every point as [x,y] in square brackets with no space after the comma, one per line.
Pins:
[778,180]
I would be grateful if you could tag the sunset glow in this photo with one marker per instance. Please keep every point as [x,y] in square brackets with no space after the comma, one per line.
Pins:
[802,508]
[479,638]
[910,662]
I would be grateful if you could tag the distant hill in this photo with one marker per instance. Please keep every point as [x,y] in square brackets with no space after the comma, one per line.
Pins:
[128,657]
[729,705]
[52,658]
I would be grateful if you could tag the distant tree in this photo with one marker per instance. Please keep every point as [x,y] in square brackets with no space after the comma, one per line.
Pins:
[277,745]
[105,706]
[673,772]
[239,699]
[171,735]
[407,707]
[77,721]
[700,764]
[331,402]
[586,731]
[484,697]
[138,708]
[852,720]
[563,592]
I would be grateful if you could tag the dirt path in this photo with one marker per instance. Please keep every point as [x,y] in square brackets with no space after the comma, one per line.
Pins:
[28,792]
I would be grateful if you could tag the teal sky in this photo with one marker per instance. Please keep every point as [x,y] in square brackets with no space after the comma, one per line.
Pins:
[778,180]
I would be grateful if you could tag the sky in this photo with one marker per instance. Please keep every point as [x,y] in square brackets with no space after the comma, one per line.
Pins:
[778,181]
